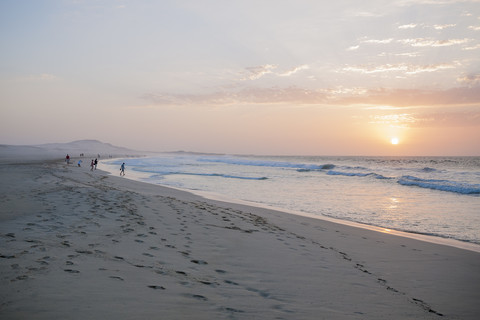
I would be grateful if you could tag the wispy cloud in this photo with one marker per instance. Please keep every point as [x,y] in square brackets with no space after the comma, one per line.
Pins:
[381,41]
[426,42]
[413,97]
[408,26]
[249,95]
[353,48]
[408,54]
[443,26]
[448,119]
[293,71]
[343,96]
[395,120]
[254,73]
[470,80]
[475,47]
[427,26]
[402,67]
[259,71]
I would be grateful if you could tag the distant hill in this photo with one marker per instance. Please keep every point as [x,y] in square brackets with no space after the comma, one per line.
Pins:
[89,148]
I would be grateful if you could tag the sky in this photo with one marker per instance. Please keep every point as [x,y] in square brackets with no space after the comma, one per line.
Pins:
[271,77]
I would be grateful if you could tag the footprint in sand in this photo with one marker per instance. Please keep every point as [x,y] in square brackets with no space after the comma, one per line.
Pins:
[71,271]
[195,296]
[157,287]
[233,310]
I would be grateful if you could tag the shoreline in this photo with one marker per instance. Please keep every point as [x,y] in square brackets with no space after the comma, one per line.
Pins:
[220,198]
[82,244]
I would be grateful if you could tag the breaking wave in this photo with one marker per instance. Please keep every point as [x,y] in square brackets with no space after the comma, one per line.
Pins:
[443,185]
[265,163]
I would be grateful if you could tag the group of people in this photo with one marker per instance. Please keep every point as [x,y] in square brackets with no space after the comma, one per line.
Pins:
[94,163]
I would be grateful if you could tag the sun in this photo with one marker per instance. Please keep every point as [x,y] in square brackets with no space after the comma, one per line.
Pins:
[394,140]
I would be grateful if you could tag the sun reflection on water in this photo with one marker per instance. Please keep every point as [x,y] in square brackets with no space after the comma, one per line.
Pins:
[394,202]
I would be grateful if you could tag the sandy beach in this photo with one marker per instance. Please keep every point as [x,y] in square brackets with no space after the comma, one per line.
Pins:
[81,244]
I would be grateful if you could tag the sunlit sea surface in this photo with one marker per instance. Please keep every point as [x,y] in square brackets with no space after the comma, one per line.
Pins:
[436,196]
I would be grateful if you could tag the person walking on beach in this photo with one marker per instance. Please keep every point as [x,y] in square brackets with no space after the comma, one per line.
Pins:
[92,165]
[122,169]
[67,159]
[96,162]
[79,163]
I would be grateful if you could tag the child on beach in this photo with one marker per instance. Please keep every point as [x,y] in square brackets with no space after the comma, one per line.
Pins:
[122,169]
[79,163]
[92,165]
[67,159]
[96,162]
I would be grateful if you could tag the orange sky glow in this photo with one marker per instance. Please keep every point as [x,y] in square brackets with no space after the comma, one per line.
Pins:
[296,77]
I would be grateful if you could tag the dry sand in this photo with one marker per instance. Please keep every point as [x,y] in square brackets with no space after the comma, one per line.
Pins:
[76,244]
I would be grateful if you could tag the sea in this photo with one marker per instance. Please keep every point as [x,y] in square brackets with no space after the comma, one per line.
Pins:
[437,197]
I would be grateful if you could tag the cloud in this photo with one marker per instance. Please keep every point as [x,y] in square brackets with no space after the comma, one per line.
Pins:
[430,68]
[340,96]
[424,42]
[475,47]
[255,73]
[443,26]
[396,120]
[426,26]
[293,71]
[249,95]
[448,119]
[374,41]
[408,54]
[408,26]
[414,97]
[402,67]
[470,80]
[474,28]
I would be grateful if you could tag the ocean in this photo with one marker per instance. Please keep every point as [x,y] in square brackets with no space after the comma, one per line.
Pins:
[433,196]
